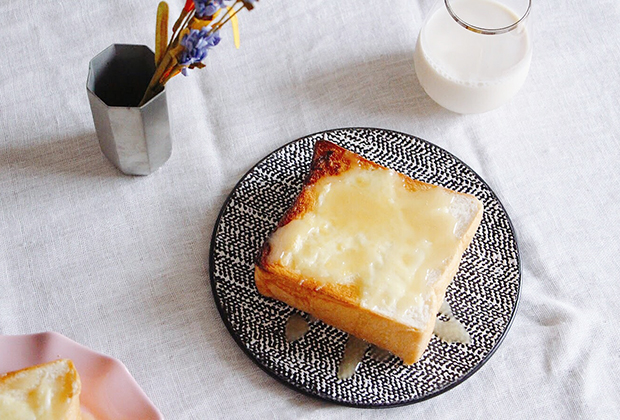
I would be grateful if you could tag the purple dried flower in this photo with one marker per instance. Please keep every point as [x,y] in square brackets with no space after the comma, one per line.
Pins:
[207,8]
[196,45]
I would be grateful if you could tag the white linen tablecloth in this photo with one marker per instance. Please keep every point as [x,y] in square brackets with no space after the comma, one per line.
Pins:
[120,264]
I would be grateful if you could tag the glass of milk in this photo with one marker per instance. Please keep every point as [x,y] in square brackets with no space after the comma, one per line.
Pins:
[472,56]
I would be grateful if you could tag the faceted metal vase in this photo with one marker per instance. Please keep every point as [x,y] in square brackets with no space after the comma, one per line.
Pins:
[136,139]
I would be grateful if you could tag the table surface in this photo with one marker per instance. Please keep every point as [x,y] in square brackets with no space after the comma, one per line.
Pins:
[120,264]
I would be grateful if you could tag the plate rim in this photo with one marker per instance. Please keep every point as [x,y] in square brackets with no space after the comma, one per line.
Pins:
[54,338]
[320,395]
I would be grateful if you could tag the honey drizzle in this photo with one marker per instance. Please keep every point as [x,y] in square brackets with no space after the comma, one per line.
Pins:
[354,352]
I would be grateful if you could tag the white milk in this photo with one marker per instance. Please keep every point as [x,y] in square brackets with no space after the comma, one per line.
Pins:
[468,72]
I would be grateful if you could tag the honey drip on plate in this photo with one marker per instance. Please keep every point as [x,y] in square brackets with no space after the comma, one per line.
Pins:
[354,352]
[379,354]
[296,327]
[450,331]
[355,349]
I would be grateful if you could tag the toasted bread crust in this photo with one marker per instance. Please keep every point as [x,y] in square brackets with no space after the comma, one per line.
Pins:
[71,387]
[338,304]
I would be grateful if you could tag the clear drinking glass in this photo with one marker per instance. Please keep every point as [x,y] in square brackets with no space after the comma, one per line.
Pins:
[472,56]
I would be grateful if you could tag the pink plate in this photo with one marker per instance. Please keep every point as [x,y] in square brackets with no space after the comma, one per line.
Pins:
[109,392]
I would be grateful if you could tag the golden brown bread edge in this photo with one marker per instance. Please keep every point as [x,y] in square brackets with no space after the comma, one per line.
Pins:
[71,376]
[338,304]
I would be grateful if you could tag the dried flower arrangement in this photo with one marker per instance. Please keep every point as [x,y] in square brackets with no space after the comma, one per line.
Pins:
[195,32]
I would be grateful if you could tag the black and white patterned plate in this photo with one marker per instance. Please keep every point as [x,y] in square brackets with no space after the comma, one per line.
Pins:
[483,295]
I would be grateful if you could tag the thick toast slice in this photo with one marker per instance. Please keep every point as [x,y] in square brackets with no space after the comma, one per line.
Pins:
[50,391]
[368,250]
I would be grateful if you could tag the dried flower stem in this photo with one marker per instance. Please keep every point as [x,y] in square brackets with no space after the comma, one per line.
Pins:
[227,16]
[176,33]
[168,62]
